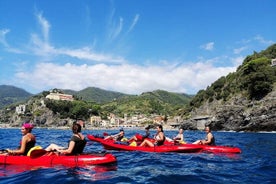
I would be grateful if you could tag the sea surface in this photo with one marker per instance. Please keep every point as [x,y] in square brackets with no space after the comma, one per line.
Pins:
[256,163]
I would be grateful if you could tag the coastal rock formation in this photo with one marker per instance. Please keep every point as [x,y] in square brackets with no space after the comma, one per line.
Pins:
[240,114]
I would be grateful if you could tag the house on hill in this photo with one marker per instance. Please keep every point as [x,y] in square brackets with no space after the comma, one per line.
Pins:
[58,95]
[273,62]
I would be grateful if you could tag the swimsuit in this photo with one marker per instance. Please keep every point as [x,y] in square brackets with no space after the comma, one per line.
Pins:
[79,145]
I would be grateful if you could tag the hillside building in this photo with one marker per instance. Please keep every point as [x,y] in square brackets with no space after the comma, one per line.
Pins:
[59,96]
[20,109]
[273,62]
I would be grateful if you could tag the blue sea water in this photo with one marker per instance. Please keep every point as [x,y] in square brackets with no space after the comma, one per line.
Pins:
[256,163]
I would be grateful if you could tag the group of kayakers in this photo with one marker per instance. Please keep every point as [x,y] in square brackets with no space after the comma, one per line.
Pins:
[77,142]
[160,138]
[28,141]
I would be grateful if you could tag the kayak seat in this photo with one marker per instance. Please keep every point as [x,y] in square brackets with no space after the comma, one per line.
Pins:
[33,148]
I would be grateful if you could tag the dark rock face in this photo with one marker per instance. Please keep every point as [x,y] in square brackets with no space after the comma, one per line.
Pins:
[240,114]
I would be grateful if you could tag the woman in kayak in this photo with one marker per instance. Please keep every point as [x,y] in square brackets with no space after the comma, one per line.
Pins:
[76,144]
[179,138]
[159,138]
[209,140]
[27,142]
[118,137]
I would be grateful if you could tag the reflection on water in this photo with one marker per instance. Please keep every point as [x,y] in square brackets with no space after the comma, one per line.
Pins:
[94,172]
[89,172]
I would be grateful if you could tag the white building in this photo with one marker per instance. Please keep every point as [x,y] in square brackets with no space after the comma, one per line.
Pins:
[20,109]
[273,62]
[60,96]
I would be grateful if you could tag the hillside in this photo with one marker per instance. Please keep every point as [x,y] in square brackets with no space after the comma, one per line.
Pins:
[155,102]
[12,94]
[243,100]
[96,95]
[54,112]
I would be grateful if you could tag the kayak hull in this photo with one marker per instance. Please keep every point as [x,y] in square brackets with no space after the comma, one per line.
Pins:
[112,145]
[168,147]
[214,148]
[221,149]
[52,160]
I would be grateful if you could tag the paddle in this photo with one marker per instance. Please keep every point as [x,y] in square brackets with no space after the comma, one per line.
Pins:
[105,134]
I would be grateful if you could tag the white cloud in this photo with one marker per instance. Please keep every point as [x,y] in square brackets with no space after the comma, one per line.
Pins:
[262,40]
[237,61]
[41,47]
[3,33]
[134,22]
[208,46]
[87,54]
[131,79]
[239,50]
[45,26]
[3,41]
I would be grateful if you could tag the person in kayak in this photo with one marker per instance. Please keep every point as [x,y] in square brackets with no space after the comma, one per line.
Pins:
[159,138]
[209,140]
[76,144]
[118,137]
[179,138]
[27,142]
[139,137]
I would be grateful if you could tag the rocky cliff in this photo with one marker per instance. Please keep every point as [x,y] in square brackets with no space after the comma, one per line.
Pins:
[239,114]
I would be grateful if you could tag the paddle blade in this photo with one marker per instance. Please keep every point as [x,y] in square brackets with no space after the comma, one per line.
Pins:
[105,134]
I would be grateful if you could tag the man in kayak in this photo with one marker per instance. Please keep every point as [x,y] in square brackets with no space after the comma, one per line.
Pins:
[27,142]
[209,140]
[76,144]
[159,138]
[118,137]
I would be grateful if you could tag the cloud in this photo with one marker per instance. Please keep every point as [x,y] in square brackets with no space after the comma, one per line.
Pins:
[45,26]
[134,22]
[208,46]
[262,40]
[87,54]
[117,29]
[3,33]
[3,41]
[126,78]
[239,50]
[40,46]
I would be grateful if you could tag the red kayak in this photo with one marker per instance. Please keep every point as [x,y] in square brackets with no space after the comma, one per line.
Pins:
[214,149]
[64,160]
[220,149]
[113,145]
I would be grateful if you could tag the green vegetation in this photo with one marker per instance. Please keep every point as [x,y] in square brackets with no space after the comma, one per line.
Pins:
[74,110]
[96,95]
[156,102]
[11,94]
[254,79]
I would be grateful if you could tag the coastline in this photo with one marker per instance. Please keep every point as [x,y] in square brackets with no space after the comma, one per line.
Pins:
[5,126]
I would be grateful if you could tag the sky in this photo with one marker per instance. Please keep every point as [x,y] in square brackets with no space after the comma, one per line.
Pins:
[129,46]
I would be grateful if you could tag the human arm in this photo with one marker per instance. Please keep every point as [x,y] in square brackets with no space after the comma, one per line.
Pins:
[20,151]
[208,139]
[69,149]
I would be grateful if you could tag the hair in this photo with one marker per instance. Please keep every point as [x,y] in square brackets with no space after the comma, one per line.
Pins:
[28,126]
[161,127]
[76,128]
